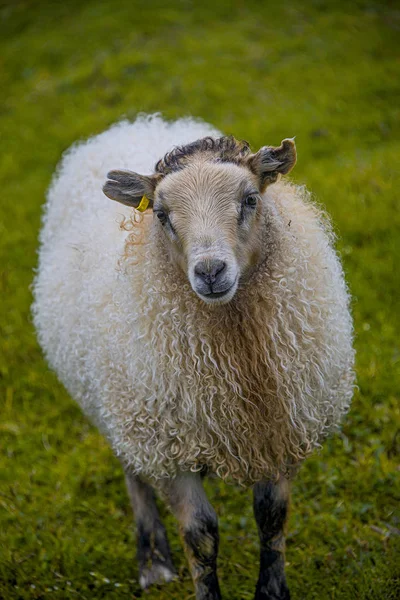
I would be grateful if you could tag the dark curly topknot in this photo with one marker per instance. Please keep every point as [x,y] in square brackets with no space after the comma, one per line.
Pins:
[223,149]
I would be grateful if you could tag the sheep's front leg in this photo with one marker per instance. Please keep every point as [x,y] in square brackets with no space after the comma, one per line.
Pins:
[199,529]
[271,501]
[153,553]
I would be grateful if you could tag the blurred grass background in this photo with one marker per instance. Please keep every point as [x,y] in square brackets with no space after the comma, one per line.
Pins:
[327,72]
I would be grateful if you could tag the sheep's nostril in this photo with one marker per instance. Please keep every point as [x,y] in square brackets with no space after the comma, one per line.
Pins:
[217,270]
[209,270]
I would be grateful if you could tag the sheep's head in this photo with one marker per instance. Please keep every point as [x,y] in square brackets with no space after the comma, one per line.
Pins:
[208,201]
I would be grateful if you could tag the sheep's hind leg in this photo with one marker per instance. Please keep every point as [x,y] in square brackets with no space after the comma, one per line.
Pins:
[271,501]
[199,528]
[153,553]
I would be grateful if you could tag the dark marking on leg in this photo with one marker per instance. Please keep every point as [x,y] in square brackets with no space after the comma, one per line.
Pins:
[270,510]
[199,529]
[153,553]
[201,543]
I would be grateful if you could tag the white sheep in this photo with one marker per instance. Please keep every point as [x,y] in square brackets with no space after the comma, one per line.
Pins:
[216,336]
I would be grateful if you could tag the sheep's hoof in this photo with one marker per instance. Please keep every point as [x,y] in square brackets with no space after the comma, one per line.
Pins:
[156,573]
[273,591]
[265,595]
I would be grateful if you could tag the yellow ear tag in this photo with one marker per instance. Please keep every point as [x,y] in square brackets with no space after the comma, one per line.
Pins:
[144,203]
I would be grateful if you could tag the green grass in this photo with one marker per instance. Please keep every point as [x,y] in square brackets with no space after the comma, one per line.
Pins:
[327,72]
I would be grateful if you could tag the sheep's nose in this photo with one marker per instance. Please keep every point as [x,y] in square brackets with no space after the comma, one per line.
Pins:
[210,270]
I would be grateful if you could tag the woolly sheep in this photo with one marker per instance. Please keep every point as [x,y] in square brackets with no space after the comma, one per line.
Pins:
[215,336]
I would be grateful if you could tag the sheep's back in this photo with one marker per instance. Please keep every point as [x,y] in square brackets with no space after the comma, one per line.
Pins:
[247,391]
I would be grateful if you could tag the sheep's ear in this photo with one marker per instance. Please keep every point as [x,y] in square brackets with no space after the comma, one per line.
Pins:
[129,188]
[270,162]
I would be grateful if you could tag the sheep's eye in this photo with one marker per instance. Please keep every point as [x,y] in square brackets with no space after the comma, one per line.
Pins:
[162,215]
[251,201]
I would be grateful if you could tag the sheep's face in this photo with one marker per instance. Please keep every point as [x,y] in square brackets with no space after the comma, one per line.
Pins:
[209,210]
[210,216]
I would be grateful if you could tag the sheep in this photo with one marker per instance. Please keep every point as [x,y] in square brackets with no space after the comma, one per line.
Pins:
[214,336]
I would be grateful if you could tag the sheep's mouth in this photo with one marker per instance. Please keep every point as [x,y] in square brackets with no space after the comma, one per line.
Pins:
[223,296]
[217,294]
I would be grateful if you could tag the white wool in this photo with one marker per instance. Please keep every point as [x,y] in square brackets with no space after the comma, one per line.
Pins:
[248,388]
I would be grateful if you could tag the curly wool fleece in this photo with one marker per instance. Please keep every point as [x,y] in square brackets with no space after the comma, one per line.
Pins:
[248,388]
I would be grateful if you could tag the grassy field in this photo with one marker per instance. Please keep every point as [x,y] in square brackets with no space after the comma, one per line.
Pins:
[327,72]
